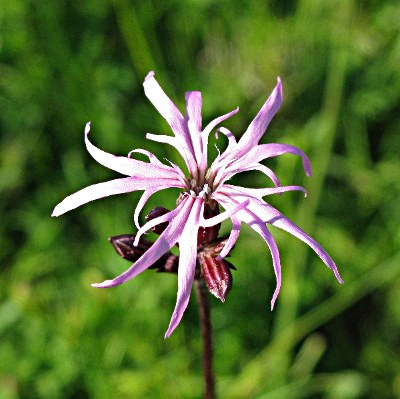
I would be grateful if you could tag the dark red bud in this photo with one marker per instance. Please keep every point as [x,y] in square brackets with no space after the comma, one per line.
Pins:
[208,234]
[124,247]
[170,265]
[216,274]
[155,213]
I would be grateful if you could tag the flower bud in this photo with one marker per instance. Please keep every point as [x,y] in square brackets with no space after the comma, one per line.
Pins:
[124,247]
[155,213]
[208,234]
[216,274]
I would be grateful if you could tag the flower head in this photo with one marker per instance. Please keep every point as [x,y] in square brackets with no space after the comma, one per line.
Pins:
[204,188]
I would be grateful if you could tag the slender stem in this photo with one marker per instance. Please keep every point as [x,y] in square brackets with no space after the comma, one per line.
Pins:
[205,325]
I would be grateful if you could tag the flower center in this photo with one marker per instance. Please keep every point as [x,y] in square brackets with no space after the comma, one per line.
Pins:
[202,187]
[199,191]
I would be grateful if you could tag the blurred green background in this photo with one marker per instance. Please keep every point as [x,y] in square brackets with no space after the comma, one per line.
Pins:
[64,63]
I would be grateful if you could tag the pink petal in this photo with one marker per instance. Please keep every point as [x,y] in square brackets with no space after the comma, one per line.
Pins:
[165,106]
[224,174]
[224,215]
[224,170]
[208,129]
[233,236]
[231,145]
[187,263]
[168,217]
[142,202]
[172,115]
[262,192]
[264,151]
[180,146]
[151,156]
[259,125]
[272,216]
[193,118]
[258,225]
[181,175]
[267,171]
[160,138]
[285,224]
[125,165]
[112,187]
[206,132]
[164,243]
[229,135]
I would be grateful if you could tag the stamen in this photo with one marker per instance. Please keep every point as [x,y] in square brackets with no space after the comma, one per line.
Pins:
[192,194]
[206,190]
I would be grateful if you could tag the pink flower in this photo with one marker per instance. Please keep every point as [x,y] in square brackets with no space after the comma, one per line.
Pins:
[205,187]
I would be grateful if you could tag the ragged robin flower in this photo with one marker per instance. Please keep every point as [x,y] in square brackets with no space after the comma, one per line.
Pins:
[203,189]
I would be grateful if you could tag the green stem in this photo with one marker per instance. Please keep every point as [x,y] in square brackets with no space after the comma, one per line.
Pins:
[206,334]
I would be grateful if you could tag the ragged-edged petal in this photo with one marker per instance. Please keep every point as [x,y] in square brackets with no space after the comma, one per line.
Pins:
[165,106]
[233,236]
[187,263]
[225,173]
[267,171]
[142,202]
[180,174]
[215,122]
[224,215]
[264,151]
[270,215]
[226,169]
[259,125]
[166,217]
[180,146]
[262,192]
[168,238]
[229,135]
[285,224]
[269,239]
[125,165]
[161,138]
[193,118]
[112,187]
[151,156]
[232,143]
[256,223]
[206,133]
[170,112]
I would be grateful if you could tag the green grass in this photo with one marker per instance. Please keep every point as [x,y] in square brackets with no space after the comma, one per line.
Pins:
[64,63]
